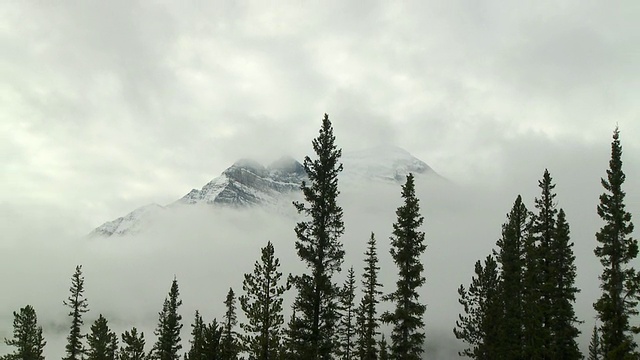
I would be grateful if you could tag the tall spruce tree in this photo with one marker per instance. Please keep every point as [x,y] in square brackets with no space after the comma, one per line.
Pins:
[407,245]
[168,342]
[511,257]
[564,332]
[594,345]
[212,341]
[196,351]
[78,305]
[533,310]
[262,306]
[132,345]
[370,300]
[543,231]
[555,263]
[230,348]
[346,328]
[620,282]
[479,327]
[318,246]
[384,353]
[27,336]
[103,343]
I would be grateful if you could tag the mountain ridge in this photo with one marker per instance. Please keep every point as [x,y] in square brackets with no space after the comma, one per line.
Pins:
[248,183]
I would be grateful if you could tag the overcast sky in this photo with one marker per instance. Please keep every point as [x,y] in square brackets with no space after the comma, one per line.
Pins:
[109,105]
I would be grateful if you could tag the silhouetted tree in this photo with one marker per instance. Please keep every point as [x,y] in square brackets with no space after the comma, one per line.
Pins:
[133,345]
[407,245]
[27,336]
[594,345]
[318,246]
[346,329]
[78,305]
[370,300]
[229,341]
[479,326]
[103,343]
[511,257]
[262,305]
[169,326]
[563,318]
[620,282]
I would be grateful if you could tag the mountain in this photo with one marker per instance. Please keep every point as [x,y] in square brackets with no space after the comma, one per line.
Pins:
[248,183]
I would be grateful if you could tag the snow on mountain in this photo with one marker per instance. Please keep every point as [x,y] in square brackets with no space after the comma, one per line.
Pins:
[248,183]
[387,163]
[131,223]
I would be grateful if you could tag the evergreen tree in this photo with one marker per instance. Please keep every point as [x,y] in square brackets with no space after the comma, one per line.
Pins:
[564,343]
[133,345]
[78,305]
[533,310]
[168,342]
[370,300]
[262,305]
[620,282]
[212,341]
[346,330]
[229,343]
[511,257]
[479,327]
[27,336]
[594,345]
[292,342]
[407,244]
[318,246]
[543,230]
[103,343]
[360,330]
[384,353]
[196,352]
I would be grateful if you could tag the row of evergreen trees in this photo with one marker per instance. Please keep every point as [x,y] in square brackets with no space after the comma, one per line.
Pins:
[327,322]
[519,304]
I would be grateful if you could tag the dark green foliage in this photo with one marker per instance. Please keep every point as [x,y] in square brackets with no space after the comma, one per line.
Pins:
[368,331]
[533,310]
[133,345]
[562,316]
[407,245]
[212,341]
[346,329]
[78,305]
[620,282]
[479,327]
[551,273]
[196,351]
[229,343]
[543,230]
[262,305]
[384,353]
[318,246]
[594,345]
[103,343]
[27,336]
[360,330]
[511,257]
[168,340]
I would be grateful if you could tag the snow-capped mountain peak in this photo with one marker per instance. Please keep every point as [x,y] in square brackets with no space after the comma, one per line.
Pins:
[249,183]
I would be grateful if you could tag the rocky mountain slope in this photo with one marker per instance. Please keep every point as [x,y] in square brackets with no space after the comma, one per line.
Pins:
[248,183]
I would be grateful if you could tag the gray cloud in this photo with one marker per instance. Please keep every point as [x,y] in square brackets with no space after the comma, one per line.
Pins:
[107,106]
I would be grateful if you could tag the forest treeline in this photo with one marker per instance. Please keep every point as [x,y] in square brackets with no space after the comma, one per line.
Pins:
[518,305]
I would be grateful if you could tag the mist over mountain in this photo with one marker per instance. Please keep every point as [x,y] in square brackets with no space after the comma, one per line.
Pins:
[248,183]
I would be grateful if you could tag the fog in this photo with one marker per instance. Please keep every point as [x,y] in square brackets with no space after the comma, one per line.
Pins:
[209,249]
